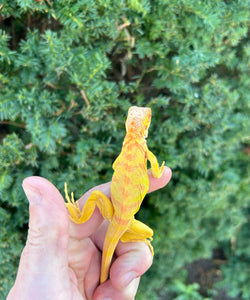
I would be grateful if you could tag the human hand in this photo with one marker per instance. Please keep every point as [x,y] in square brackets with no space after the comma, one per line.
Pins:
[61,260]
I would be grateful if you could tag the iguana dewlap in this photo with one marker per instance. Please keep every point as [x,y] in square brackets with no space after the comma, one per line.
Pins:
[129,186]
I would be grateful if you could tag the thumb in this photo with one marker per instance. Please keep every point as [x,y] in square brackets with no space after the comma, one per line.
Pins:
[48,222]
[44,258]
[47,239]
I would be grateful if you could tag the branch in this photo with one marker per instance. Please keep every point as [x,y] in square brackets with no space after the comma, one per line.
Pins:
[13,124]
[85,98]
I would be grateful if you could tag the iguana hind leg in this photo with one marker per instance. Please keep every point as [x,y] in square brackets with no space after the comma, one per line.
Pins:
[139,232]
[96,198]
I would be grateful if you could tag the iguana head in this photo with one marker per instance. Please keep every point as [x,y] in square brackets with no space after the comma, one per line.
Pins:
[138,120]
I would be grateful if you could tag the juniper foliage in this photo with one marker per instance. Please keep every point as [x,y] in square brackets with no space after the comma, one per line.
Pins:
[69,72]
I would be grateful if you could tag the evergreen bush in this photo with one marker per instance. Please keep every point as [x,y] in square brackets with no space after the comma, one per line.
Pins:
[69,72]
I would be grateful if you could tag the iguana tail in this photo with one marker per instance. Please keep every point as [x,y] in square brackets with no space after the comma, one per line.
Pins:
[113,235]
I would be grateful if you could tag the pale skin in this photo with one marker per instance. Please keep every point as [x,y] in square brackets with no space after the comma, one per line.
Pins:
[62,260]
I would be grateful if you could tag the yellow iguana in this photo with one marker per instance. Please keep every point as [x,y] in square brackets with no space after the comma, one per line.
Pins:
[129,186]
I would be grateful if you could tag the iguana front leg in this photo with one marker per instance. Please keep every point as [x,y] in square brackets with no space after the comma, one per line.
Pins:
[96,198]
[156,170]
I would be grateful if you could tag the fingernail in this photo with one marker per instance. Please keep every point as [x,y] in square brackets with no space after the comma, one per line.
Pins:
[106,298]
[128,277]
[32,194]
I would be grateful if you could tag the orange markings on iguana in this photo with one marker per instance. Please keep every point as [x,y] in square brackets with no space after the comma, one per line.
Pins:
[129,186]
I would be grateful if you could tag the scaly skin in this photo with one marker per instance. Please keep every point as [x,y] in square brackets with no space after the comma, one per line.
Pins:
[129,186]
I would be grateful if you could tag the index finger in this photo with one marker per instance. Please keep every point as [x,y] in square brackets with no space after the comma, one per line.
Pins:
[154,184]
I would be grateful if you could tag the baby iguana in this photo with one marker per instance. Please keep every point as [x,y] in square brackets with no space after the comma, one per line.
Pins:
[129,186]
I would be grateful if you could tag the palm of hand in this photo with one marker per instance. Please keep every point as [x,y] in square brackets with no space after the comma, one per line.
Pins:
[84,258]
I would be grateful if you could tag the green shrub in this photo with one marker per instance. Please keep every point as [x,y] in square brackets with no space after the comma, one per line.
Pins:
[236,272]
[69,72]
